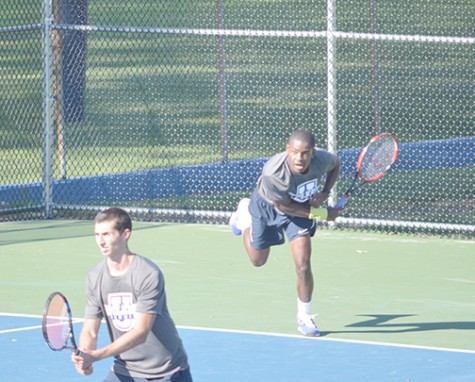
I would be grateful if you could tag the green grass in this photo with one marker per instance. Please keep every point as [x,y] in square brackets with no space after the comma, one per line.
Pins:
[153,100]
[26,165]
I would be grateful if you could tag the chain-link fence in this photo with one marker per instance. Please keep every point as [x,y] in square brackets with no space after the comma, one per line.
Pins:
[170,108]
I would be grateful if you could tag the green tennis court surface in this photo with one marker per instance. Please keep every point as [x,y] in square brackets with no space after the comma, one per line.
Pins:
[390,289]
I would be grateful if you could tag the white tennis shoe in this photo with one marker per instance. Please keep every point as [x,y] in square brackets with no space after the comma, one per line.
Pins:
[306,325]
[241,218]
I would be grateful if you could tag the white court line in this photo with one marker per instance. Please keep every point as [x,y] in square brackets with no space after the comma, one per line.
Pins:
[34,327]
[269,334]
[361,342]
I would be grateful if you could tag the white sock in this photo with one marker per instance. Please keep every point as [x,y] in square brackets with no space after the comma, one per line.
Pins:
[303,308]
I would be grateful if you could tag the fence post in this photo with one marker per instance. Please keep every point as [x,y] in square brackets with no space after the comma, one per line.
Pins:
[48,102]
[58,89]
[375,69]
[222,82]
[331,84]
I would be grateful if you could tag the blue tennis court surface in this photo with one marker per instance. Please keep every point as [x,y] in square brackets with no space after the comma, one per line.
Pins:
[231,356]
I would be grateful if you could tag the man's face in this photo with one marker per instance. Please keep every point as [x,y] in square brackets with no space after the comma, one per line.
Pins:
[109,240]
[300,154]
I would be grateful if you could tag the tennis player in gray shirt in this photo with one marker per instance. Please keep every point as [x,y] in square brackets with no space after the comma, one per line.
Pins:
[128,290]
[288,200]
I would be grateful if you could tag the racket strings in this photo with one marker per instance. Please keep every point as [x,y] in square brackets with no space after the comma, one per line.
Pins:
[57,323]
[379,156]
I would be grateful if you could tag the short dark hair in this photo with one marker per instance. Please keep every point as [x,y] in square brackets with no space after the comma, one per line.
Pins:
[303,136]
[117,215]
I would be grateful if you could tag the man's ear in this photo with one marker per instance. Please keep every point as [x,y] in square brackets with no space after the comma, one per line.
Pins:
[127,232]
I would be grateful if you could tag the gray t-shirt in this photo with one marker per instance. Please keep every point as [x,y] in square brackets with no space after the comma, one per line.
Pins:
[278,183]
[141,289]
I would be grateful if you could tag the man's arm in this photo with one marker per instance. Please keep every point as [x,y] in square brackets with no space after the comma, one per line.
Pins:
[332,177]
[87,341]
[89,334]
[289,207]
[137,336]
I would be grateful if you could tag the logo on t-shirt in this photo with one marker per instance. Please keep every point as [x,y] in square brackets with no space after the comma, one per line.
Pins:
[304,191]
[121,310]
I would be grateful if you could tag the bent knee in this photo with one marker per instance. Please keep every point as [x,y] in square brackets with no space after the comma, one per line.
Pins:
[258,262]
[258,258]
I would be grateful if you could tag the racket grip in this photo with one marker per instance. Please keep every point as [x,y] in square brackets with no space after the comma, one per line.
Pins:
[343,200]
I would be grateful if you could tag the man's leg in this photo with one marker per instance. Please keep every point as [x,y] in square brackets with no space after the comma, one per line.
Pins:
[258,257]
[240,223]
[301,248]
[301,252]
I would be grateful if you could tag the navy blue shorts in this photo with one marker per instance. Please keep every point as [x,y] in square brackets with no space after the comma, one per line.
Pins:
[181,376]
[268,226]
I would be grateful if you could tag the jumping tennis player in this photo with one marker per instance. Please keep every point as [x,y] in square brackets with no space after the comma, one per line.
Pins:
[128,290]
[288,198]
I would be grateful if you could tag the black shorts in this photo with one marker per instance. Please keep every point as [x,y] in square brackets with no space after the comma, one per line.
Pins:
[268,226]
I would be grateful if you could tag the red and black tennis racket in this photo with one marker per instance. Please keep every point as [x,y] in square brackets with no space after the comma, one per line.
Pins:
[373,163]
[58,324]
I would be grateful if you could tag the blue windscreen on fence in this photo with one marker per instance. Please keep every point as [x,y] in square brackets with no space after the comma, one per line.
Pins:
[220,177]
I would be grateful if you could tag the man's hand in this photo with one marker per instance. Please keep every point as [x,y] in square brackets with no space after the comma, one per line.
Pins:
[83,362]
[318,199]
[333,213]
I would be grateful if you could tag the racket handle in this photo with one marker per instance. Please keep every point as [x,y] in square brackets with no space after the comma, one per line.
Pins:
[343,200]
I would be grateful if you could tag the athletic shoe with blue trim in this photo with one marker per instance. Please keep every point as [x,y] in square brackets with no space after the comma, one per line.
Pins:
[306,325]
[241,219]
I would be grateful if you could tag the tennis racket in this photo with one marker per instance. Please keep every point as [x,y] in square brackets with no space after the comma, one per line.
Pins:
[373,163]
[58,324]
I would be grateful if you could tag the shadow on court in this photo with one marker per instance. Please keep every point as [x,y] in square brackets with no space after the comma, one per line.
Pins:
[47,231]
[381,323]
